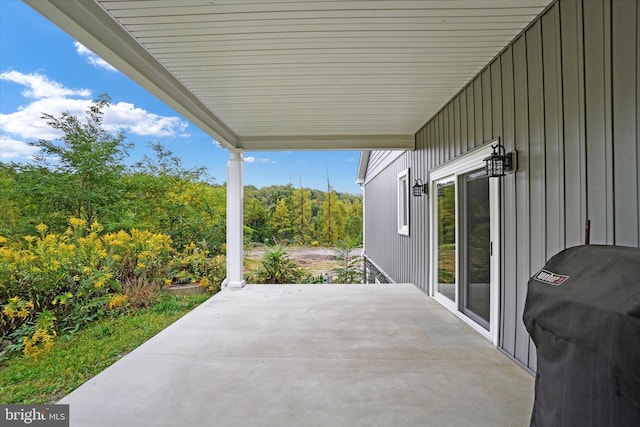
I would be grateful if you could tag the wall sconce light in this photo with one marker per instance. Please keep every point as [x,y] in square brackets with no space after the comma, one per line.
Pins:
[500,162]
[419,188]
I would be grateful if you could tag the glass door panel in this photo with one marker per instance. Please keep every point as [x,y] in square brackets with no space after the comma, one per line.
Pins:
[476,258]
[446,238]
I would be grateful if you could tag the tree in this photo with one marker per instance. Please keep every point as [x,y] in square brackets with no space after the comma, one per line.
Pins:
[10,213]
[301,216]
[350,264]
[256,220]
[353,226]
[87,164]
[327,218]
[332,217]
[165,196]
[281,220]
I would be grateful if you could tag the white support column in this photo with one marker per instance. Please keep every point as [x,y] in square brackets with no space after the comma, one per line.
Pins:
[235,221]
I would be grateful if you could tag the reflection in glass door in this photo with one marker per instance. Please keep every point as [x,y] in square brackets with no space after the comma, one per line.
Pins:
[475,289]
[446,238]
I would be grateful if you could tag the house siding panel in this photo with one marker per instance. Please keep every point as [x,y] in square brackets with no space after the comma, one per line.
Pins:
[464,123]
[554,150]
[521,201]
[574,133]
[625,152]
[564,94]
[487,111]
[509,281]
[598,143]
[537,200]
[457,127]
[471,123]
[477,112]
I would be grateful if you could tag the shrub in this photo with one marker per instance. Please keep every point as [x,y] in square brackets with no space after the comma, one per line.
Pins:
[350,270]
[196,265]
[74,277]
[55,282]
[277,268]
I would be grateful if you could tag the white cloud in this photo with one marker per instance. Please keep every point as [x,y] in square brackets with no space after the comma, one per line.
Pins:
[38,86]
[92,58]
[28,124]
[14,149]
[53,98]
[251,159]
[125,116]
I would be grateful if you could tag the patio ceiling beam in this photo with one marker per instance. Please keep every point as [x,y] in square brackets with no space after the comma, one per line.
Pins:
[327,142]
[88,23]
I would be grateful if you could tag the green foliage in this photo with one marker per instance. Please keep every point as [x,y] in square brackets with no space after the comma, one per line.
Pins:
[132,230]
[256,218]
[446,214]
[447,263]
[77,357]
[353,223]
[86,165]
[301,215]
[446,233]
[277,268]
[83,274]
[350,270]
[166,197]
[10,213]
[196,265]
[281,221]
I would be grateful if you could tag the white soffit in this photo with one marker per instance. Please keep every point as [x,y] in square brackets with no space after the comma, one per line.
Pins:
[269,75]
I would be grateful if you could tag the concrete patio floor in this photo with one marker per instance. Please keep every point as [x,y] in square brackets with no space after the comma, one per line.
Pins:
[311,355]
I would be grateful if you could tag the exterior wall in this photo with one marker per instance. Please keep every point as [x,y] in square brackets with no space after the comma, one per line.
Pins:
[564,94]
[379,160]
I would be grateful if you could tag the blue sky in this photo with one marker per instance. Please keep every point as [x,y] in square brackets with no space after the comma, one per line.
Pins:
[43,70]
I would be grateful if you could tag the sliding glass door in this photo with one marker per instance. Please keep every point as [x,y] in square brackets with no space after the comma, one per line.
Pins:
[476,240]
[465,241]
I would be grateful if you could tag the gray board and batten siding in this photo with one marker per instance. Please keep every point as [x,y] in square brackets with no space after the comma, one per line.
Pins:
[564,94]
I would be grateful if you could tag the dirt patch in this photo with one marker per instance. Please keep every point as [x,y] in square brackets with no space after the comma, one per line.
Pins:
[316,261]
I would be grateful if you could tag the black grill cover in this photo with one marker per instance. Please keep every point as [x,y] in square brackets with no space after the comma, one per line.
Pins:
[583,314]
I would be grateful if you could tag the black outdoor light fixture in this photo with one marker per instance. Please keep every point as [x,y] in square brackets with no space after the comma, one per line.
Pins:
[419,188]
[499,162]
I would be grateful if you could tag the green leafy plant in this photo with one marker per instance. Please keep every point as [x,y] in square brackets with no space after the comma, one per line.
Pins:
[277,268]
[350,270]
[77,357]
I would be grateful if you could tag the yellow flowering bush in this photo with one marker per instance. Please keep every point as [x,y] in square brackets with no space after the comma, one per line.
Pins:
[17,308]
[77,276]
[196,265]
[117,301]
[54,282]
[41,341]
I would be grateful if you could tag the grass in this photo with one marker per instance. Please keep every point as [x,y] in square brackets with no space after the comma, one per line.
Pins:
[75,358]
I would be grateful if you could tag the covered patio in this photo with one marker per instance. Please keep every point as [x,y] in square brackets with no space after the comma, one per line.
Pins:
[296,75]
[303,75]
[312,355]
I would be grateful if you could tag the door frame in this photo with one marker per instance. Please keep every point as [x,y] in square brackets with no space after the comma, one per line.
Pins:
[468,162]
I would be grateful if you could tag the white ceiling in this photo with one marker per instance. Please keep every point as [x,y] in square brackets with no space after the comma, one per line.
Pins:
[266,74]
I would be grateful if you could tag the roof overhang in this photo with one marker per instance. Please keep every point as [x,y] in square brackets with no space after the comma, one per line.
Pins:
[273,75]
[363,164]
